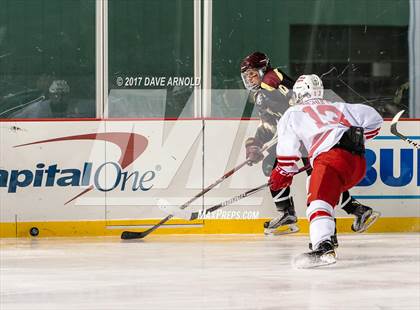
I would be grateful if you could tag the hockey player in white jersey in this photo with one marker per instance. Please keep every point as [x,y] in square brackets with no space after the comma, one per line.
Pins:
[272,90]
[333,136]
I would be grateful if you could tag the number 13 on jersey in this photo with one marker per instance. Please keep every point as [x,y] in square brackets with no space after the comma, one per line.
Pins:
[324,115]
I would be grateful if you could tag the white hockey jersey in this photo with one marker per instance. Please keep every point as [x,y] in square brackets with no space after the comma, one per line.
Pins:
[309,129]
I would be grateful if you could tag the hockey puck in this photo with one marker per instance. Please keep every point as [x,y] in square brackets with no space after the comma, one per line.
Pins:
[34,231]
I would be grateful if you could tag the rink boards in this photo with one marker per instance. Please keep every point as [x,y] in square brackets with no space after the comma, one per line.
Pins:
[99,177]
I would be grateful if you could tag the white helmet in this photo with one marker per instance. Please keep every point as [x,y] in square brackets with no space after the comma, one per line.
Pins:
[308,87]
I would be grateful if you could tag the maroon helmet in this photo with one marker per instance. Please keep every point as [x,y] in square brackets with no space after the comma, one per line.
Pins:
[256,60]
[254,64]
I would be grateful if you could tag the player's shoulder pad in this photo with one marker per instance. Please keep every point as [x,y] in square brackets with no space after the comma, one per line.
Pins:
[272,79]
[293,109]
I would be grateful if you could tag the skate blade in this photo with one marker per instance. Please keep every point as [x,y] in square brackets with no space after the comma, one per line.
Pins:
[306,261]
[283,230]
[370,221]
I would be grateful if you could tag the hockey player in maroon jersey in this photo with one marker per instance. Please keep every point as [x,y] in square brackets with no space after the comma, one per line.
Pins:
[333,136]
[272,93]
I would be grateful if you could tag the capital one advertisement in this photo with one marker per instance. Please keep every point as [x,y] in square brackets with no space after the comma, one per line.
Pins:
[118,170]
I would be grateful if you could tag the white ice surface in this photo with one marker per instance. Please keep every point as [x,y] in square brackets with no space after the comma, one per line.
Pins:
[208,272]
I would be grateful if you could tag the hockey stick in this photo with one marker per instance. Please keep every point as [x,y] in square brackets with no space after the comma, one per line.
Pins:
[395,132]
[140,235]
[190,216]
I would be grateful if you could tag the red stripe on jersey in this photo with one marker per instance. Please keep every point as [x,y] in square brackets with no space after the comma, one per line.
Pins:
[372,131]
[316,138]
[319,214]
[286,161]
[295,158]
[372,135]
[285,164]
[318,142]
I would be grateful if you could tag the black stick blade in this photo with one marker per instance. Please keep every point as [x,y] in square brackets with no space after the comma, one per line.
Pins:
[126,235]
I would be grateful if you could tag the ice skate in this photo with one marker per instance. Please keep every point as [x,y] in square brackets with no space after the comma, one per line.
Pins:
[365,217]
[324,255]
[334,241]
[283,224]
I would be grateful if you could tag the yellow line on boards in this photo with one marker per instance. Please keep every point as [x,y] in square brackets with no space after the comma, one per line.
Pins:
[209,226]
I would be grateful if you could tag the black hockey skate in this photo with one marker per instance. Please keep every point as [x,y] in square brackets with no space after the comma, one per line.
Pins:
[364,217]
[334,241]
[283,224]
[324,255]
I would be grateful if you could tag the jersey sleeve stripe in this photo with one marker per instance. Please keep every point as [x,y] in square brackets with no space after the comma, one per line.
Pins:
[286,161]
[285,164]
[266,86]
[372,131]
[279,74]
[295,158]
[372,136]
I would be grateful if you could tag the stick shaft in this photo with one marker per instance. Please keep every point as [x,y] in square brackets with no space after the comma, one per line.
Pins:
[250,192]
[226,175]
[225,203]
[132,235]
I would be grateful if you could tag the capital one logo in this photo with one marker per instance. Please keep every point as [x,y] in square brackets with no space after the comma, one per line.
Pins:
[380,162]
[132,145]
